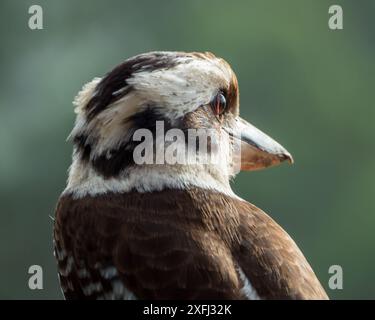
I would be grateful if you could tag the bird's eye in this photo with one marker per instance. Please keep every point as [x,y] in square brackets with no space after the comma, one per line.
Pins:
[219,104]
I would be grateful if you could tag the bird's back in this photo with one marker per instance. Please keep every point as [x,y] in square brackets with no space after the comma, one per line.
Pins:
[176,244]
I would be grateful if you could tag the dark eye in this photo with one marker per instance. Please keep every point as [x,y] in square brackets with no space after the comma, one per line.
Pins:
[219,104]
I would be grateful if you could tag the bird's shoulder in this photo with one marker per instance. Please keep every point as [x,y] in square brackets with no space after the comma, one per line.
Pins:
[272,261]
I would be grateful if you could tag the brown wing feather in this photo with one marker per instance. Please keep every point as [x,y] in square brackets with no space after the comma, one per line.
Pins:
[272,261]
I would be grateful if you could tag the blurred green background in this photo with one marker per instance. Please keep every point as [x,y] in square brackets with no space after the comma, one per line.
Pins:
[309,87]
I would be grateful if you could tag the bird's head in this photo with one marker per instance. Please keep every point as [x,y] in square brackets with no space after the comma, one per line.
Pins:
[145,118]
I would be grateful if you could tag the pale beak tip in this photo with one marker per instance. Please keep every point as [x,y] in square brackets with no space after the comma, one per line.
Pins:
[290,159]
[286,156]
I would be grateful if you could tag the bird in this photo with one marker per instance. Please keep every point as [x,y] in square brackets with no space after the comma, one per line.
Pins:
[132,230]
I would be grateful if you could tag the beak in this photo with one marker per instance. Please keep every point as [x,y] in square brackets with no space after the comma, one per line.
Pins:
[258,150]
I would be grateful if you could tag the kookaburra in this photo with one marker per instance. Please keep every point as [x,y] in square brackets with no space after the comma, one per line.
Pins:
[170,230]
